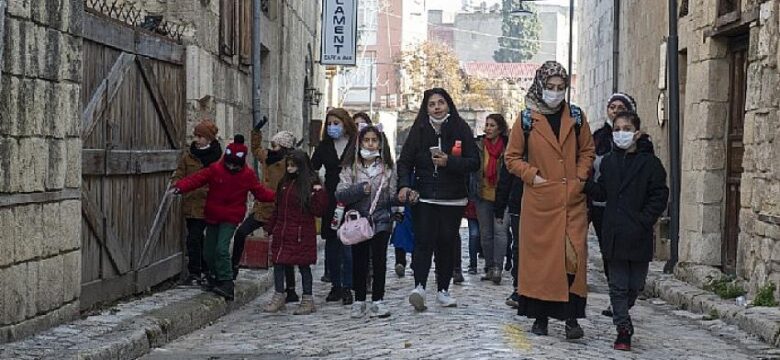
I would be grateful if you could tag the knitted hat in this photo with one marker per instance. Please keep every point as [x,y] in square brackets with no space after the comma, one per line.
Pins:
[626,99]
[206,129]
[284,139]
[236,152]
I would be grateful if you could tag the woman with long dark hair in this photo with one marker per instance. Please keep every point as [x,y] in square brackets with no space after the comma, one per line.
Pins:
[440,151]
[551,150]
[337,142]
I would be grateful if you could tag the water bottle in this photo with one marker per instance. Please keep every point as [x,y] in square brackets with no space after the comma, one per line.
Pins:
[338,215]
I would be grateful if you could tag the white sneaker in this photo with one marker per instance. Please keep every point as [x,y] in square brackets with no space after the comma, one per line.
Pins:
[378,309]
[417,298]
[358,309]
[445,300]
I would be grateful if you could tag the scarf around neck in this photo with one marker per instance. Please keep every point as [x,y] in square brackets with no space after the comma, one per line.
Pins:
[494,151]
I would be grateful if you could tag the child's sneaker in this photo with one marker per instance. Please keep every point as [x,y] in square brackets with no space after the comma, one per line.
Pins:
[225,289]
[457,277]
[445,300]
[417,298]
[306,307]
[358,309]
[292,297]
[623,341]
[379,309]
[334,294]
[276,304]
[400,270]
[346,297]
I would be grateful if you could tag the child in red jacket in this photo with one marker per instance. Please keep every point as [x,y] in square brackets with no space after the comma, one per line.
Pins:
[299,200]
[229,181]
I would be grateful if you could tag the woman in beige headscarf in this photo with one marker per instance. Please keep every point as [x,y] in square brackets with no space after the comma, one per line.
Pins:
[551,150]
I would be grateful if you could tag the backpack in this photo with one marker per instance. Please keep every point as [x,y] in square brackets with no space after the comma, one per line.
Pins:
[574,112]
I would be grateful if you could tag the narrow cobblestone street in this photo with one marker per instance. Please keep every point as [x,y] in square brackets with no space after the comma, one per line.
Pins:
[481,327]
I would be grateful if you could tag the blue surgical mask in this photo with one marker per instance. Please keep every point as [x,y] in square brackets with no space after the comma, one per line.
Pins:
[335,131]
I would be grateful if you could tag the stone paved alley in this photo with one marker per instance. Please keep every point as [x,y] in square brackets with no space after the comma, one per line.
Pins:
[481,327]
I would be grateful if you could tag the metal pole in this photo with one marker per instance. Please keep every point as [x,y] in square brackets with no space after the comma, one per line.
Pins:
[371,88]
[616,46]
[257,13]
[674,138]
[571,46]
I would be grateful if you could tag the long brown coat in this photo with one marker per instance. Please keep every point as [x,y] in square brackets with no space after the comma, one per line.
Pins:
[553,209]
[193,202]
[272,174]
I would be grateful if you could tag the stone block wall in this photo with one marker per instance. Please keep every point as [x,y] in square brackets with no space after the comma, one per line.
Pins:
[40,164]
[758,256]
[595,62]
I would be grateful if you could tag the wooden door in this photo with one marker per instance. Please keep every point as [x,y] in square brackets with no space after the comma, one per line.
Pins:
[133,99]
[734,149]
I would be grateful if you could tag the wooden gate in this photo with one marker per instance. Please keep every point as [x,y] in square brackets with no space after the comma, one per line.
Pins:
[133,99]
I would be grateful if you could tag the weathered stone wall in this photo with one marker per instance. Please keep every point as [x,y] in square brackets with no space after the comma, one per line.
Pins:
[40,165]
[758,256]
[220,88]
[594,21]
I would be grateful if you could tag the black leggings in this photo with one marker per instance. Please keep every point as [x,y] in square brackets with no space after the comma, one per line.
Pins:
[436,233]
[376,249]
[280,272]
[196,228]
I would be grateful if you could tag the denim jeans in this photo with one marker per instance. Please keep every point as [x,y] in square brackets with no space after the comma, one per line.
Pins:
[492,234]
[473,243]
[626,280]
[339,263]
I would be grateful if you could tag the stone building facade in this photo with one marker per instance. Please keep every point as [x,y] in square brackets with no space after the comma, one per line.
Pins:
[219,73]
[40,165]
[728,54]
[41,124]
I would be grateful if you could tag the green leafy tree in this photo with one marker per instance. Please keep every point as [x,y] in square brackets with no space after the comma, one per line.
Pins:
[520,40]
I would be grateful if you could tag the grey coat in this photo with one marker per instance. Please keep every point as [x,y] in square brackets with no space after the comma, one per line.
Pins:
[350,192]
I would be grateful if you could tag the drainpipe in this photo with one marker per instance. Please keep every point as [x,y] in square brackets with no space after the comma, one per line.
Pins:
[571,45]
[615,45]
[257,13]
[674,138]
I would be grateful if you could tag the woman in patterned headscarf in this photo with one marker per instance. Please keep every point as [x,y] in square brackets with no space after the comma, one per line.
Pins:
[551,150]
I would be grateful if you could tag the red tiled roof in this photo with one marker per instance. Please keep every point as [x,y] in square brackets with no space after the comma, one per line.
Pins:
[488,70]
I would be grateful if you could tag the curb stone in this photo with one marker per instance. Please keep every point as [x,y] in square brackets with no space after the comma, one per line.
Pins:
[139,334]
[763,322]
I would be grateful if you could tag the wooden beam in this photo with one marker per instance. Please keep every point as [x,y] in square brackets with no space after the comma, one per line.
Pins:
[159,102]
[116,34]
[106,290]
[99,162]
[105,93]
[7,200]
[158,272]
[104,232]
[154,232]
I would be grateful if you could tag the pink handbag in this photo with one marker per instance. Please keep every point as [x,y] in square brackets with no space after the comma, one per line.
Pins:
[357,229]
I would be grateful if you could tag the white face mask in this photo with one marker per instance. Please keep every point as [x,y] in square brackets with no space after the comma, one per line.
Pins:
[439,121]
[369,154]
[623,139]
[553,98]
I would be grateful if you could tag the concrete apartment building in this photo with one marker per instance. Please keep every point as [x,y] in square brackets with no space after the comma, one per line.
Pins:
[728,52]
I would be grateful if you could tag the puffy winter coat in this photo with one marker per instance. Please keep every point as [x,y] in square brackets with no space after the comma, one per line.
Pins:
[293,229]
[227,196]
[350,192]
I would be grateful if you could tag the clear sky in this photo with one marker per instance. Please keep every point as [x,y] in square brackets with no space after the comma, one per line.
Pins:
[455,5]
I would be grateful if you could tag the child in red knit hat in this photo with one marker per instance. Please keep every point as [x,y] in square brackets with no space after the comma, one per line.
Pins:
[229,182]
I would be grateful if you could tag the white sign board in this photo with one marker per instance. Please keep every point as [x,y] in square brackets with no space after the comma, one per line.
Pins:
[339,32]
